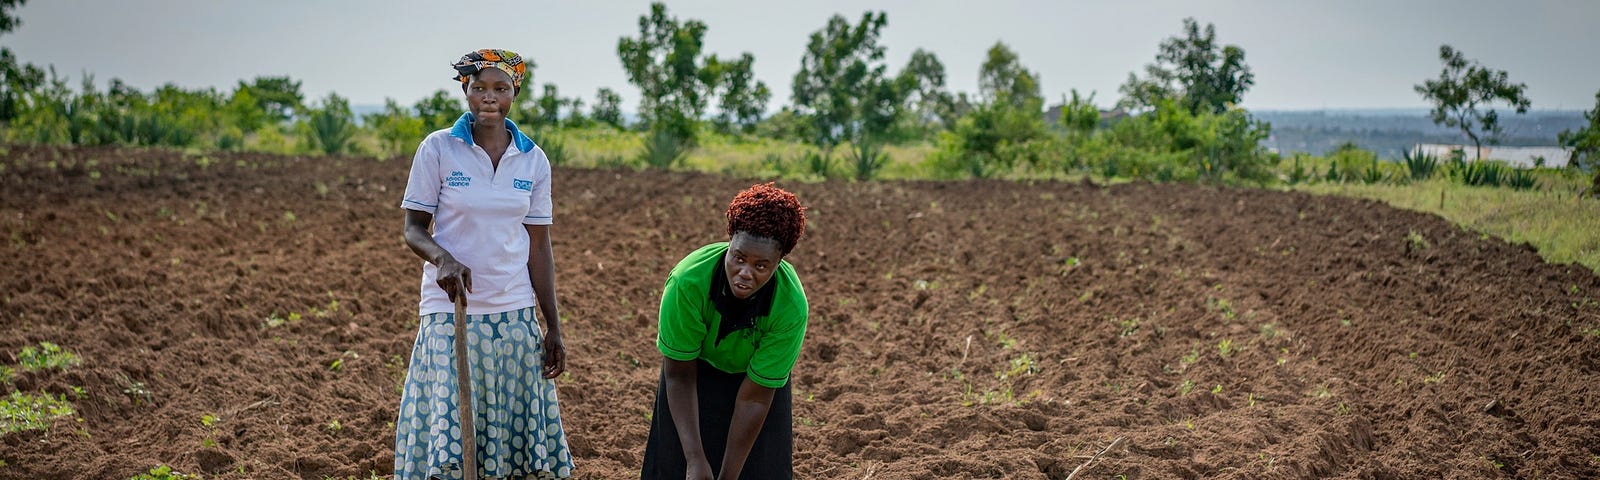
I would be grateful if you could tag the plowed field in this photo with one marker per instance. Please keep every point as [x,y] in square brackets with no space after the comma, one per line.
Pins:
[976,329]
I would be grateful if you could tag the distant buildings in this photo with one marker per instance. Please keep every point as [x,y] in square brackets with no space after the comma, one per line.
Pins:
[1516,156]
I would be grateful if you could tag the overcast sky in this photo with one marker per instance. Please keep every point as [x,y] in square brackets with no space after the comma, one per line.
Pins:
[1305,54]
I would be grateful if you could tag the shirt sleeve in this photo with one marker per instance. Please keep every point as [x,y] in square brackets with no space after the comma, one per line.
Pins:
[540,208]
[422,188]
[780,348]
[683,327]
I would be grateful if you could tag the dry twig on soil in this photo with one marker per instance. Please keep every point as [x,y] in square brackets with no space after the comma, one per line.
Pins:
[1086,463]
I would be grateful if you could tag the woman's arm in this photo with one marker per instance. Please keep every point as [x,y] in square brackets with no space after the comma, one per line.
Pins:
[542,272]
[749,412]
[684,403]
[451,272]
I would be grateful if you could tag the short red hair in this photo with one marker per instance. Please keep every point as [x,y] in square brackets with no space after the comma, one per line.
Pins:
[766,211]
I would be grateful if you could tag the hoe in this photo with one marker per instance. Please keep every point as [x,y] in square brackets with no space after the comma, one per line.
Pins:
[469,446]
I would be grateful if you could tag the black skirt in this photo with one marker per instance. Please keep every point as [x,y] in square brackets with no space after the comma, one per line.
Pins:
[772,456]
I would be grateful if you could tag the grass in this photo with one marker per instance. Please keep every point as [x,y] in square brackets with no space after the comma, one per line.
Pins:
[1562,227]
[1549,216]
[1002,392]
[737,155]
[46,356]
[26,411]
[1190,358]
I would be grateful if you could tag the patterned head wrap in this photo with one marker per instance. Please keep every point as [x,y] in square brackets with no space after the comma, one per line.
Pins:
[505,60]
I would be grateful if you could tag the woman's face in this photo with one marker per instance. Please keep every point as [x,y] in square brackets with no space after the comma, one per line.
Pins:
[750,262]
[489,95]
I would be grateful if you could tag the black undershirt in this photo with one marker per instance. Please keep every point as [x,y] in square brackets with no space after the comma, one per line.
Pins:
[737,313]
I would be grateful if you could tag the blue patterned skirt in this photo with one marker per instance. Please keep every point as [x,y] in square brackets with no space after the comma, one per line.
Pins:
[517,420]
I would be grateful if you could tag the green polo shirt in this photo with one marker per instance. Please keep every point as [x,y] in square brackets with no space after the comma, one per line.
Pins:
[689,321]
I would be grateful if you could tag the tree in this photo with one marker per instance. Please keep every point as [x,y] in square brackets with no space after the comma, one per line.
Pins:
[1003,80]
[665,63]
[16,80]
[923,78]
[575,117]
[742,98]
[1194,70]
[841,70]
[844,92]
[996,134]
[8,21]
[439,110]
[1463,94]
[399,132]
[607,107]
[243,111]
[280,97]
[1585,142]
[550,104]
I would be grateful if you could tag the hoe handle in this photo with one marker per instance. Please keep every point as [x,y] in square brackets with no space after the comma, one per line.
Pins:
[469,444]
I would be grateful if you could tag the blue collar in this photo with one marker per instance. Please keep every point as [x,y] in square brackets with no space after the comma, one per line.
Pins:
[463,130]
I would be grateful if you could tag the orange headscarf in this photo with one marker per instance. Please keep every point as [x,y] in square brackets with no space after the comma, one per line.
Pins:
[505,60]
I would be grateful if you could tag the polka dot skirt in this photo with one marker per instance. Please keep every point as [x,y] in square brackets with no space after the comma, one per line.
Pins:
[517,419]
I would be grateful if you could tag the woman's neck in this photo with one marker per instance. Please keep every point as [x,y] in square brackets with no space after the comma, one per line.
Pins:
[482,132]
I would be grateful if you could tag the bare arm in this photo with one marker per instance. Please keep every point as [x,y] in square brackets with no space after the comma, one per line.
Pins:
[451,272]
[749,412]
[684,403]
[542,272]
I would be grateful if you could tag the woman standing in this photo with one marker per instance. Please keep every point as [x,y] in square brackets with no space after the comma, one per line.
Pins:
[733,316]
[485,188]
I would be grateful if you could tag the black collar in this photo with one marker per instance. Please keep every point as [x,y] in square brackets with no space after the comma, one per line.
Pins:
[737,313]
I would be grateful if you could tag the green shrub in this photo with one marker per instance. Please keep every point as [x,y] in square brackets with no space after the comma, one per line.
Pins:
[1481,173]
[1173,142]
[331,125]
[777,164]
[664,150]
[398,131]
[555,148]
[270,139]
[1373,173]
[230,138]
[819,164]
[1521,179]
[868,158]
[1420,164]
[1298,174]
[1351,163]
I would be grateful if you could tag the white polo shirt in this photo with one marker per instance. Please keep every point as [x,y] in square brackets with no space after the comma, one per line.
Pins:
[478,214]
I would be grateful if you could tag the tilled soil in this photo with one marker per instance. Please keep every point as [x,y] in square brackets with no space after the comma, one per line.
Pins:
[976,329]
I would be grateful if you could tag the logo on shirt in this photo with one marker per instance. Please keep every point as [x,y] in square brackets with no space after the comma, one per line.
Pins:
[458,179]
[521,184]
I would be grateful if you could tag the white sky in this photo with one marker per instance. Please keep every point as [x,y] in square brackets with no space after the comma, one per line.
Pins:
[1305,54]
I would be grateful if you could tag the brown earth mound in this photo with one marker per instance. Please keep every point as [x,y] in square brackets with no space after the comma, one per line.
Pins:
[977,329]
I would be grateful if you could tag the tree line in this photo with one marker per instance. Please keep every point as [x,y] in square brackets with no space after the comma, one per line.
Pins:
[1178,119]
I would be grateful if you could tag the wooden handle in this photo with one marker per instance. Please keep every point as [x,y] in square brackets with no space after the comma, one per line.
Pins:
[469,444]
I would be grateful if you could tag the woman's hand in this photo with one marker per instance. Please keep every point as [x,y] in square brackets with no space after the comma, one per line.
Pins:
[453,276]
[555,355]
[700,470]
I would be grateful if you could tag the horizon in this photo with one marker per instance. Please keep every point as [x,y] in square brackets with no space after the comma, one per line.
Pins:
[1359,55]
